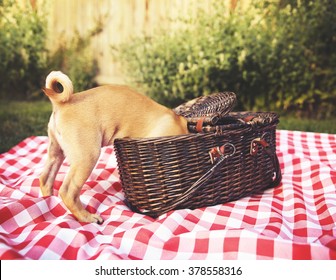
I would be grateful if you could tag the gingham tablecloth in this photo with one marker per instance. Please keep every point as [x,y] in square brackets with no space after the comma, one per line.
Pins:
[296,220]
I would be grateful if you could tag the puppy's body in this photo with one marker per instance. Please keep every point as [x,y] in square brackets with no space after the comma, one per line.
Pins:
[110,112]
[84,122]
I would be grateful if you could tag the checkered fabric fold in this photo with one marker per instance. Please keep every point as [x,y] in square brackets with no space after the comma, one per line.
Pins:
[296,220]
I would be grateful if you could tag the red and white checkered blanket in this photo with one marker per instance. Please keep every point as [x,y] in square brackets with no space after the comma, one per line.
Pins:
[296,220]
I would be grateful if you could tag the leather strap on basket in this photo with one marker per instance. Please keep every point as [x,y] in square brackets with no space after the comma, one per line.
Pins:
[260,141]
[199,124]
[248,118]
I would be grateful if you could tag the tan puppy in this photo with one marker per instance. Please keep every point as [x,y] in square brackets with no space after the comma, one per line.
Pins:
[82,123]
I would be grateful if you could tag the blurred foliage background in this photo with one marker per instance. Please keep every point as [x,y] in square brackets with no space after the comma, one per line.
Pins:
[25,59]
[275,55]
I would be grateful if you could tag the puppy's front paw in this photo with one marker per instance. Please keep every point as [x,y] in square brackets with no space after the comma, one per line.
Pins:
[97,219]
[91,218]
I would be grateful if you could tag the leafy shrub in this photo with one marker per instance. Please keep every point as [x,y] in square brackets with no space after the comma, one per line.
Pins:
[25,60]
[298,63]
[175,67]
[22,49]
[274,55]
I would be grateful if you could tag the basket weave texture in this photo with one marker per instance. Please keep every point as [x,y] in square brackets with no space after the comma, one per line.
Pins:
[225,158]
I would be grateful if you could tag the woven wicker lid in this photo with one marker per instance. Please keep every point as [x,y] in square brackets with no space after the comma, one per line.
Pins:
[210,108]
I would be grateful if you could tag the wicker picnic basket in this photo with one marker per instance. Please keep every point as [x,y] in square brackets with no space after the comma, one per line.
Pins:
[225,157]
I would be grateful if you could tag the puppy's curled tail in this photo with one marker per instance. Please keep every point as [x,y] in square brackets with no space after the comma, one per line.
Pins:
[58,87]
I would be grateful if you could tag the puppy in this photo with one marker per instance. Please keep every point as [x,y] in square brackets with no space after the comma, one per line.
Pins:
[81,123]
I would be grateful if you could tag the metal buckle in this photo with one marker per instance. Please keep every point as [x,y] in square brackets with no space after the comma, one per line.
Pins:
[223,151]
[256,142]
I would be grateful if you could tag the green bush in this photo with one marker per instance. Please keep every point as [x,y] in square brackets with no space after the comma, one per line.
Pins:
[25,60]
[296,57]
[22,49]
[199,59]
[275,55]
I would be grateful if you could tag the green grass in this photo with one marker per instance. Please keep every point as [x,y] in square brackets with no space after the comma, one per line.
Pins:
[311,125]
[19,120]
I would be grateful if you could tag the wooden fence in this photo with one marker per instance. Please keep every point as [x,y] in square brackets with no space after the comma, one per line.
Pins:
[121,19]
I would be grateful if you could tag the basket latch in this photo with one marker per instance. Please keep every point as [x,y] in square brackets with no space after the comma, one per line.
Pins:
[256,142]
[260,141]
[221,152]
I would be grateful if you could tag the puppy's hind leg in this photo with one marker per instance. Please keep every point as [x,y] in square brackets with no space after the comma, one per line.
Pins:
[54,162]
[81,167]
